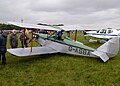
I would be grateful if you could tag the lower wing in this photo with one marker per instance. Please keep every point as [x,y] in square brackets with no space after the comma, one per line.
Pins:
[35,51]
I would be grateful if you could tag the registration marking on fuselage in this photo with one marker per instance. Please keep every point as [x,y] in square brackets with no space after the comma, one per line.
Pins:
[80,50]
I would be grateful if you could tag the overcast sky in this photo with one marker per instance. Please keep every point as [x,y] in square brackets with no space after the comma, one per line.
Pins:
[86,13]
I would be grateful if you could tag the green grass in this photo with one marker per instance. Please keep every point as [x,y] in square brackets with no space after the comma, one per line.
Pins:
[60,70]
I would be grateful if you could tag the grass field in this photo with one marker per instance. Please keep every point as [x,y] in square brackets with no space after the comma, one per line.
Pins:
[60,70]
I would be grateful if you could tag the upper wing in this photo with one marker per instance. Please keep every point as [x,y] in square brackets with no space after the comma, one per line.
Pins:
[26,25]
[71,27]
[35,51]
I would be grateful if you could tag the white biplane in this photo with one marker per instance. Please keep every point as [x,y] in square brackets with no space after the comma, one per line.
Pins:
[50,44]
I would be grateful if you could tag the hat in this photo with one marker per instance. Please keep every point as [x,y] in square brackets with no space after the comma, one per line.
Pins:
[5,31]
[13,31]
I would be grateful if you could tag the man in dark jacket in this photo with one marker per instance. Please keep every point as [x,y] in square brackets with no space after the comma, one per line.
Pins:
[13,39]
[3,50]
[24,39]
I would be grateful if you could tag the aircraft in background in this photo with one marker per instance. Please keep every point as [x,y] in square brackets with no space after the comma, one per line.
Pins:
[51,44]
[104,33]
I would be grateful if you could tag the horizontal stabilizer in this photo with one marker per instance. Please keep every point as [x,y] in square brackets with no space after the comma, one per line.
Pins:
[102,55]
[35,51]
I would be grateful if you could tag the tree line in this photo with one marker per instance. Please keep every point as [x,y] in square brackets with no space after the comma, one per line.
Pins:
[9,27]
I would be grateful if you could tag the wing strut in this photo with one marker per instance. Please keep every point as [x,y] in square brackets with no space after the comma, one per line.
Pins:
[31,43]
[75,36]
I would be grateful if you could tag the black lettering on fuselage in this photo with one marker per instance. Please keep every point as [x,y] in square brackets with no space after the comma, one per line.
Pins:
[89,53]
[70,48]
[76,50]
[80,50]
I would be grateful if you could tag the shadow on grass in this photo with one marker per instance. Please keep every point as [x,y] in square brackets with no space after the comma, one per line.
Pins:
[30,59]
[34,58]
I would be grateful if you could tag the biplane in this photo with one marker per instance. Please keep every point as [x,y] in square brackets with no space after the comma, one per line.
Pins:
[51,44]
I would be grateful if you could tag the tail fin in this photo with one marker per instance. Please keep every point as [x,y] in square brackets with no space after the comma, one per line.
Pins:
[108,50]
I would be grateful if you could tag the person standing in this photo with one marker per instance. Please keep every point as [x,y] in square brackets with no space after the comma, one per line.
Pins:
[13,39]
[24,39]
[59,35]
[3,49]
[84,33]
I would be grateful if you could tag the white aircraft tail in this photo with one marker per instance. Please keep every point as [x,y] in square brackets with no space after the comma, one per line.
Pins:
[108,49]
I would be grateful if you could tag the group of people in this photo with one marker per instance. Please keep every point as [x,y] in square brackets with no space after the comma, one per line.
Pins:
[13,40]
